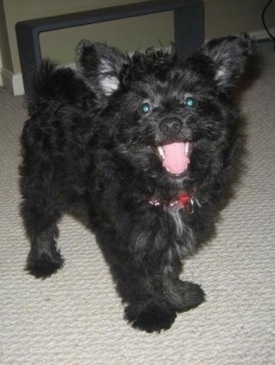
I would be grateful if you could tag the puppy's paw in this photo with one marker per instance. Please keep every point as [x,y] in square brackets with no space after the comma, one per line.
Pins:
[149,317]
[191,295]
[44,265]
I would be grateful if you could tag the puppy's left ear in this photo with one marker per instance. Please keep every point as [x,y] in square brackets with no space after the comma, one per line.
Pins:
[100,65]
[230,56]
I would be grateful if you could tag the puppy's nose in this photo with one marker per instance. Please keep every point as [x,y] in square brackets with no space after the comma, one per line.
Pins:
[170,126]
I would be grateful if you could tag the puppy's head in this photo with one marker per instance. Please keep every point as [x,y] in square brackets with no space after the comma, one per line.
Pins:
[170,116]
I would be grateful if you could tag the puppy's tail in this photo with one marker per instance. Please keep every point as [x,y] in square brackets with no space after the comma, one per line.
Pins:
[52,87]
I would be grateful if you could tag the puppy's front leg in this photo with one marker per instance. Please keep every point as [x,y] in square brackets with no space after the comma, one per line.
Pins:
[146,270]
[164,295]
[144,289]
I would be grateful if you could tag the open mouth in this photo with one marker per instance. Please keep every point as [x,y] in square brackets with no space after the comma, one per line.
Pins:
[175,157]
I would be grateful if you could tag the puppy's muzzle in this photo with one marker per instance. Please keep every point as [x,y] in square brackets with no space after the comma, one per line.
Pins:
[170,127]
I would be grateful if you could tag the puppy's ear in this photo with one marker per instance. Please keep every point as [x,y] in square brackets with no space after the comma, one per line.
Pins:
[100,65]
[230,56]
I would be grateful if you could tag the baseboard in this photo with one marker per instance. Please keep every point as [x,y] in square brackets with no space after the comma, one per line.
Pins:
[14,82]
[261,34]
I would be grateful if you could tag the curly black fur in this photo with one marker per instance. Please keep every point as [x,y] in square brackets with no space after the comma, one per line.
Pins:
[92,146]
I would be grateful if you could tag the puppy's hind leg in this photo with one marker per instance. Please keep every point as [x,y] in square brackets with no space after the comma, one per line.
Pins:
[40,218]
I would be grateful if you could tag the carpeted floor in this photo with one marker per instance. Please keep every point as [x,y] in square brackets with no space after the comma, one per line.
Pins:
[75,317]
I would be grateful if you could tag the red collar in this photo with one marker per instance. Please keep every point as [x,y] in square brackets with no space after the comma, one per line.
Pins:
[182,201]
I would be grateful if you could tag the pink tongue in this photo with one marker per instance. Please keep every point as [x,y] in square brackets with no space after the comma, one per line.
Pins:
[175,160]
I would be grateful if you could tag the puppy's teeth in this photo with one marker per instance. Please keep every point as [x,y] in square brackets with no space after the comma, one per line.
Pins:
[161,152]
[186,148]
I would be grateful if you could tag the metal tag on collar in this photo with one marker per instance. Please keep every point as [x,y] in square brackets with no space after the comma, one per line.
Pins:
[190,207]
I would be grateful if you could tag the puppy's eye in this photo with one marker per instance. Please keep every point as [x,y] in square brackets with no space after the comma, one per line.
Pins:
[190,102]
[145,108]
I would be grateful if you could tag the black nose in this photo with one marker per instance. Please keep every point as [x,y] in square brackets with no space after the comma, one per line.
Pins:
[170,126]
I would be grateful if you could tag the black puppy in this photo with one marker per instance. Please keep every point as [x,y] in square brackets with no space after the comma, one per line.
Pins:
[141,149]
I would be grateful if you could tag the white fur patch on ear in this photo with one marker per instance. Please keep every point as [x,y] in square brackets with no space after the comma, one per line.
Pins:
[109,84]
[220,73]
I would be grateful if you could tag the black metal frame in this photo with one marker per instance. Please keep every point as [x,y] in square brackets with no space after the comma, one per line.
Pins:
[188,27]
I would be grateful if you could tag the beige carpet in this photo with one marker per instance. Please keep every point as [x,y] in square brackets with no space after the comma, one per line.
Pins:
[75,317]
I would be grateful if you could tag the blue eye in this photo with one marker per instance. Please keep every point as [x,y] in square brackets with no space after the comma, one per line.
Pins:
[145,108]
[191,102]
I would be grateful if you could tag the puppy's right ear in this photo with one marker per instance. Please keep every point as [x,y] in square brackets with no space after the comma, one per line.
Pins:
[100,65]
